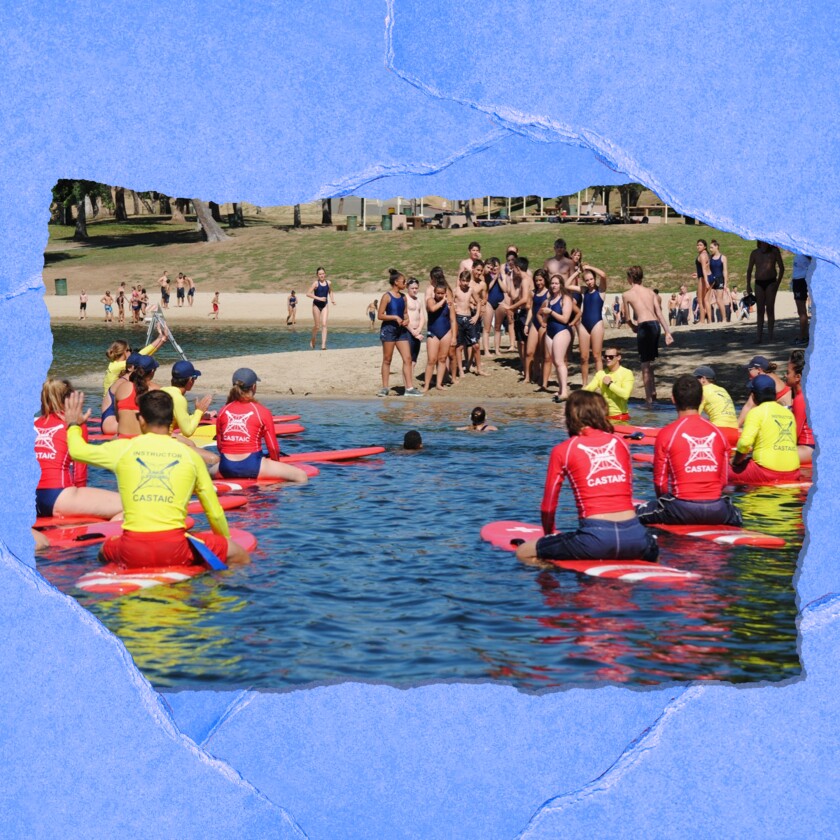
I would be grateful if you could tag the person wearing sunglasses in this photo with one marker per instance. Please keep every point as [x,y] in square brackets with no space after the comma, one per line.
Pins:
[183,378]
[614,383]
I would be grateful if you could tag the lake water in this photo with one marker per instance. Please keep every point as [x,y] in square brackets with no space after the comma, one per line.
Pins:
[375,571]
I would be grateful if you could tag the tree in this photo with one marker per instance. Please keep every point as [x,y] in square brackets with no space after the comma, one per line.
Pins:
[120,213]
[326,211]
[238,215]
[630,195]
[296,222]
[215,211]
[71,193]
[179,207]
[210,229]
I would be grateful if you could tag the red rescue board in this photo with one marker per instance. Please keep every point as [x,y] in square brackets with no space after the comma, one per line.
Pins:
[507,534]
[83,535]
[42,522]
[231,485]
[333,454]
[642,457]
[117,580]
[227,503]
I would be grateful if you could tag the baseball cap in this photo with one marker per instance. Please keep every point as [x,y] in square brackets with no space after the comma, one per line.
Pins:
[705,370]
[246,377]
[184,370]
[763,388]
[759,361]
[147,363]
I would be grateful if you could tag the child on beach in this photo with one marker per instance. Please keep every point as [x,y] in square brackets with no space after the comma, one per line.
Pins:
[83,298]
[215,304]
[394,333]
[291,309]
[108,302]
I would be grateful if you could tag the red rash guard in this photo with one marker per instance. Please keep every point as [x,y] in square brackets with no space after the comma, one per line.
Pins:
[57,468]
[692,456]
[241,427]
[804,435]
[599,469]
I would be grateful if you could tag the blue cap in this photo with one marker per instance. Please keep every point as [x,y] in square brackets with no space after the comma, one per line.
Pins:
[184,370]
[763,388]
[759,361]
[147,363]
[246,377]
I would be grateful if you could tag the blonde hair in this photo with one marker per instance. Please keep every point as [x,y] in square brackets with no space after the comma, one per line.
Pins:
[53,394]
[239,393]
[117,349]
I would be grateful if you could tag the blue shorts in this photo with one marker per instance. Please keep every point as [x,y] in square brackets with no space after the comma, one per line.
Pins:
[390,331]
[468,333]
[668,510]
[180,293]
[246,468]
[45,500]
[191,292]
[600,539]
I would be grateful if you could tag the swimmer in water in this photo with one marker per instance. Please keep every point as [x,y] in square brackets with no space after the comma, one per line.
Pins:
[156,476]
[62,488]
[242,427]
[412,441]
[478,417]
[608,527]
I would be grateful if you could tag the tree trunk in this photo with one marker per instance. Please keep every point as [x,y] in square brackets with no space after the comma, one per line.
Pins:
[165,205]
[179,208]
[138,210]
[296,216]
[120,213]
[468,211]
[81,234]
[209,226]
[238,215]
[214,211]
[607,191]
[326,211]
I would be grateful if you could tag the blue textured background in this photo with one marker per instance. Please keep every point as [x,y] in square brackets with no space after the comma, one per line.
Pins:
[730,111]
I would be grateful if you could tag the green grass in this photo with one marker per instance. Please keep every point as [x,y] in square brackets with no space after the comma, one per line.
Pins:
[265,257]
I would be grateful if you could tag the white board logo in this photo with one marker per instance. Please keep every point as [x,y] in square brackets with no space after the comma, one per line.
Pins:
[603,459]
[700,448]
[45,438]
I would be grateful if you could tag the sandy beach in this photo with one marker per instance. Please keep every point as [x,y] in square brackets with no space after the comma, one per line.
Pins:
[354,373]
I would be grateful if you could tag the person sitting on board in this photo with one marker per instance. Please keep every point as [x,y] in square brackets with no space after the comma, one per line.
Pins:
[766,452]
[614,383]
[598,466]
[156,475]
[757,366]
[804,436]
[478,416]
[183,378]
[241,427]
[128,392]
[118,354]
[690,466]
[62,489]
[718,404]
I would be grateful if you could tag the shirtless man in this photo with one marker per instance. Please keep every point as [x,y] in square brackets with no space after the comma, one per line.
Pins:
[416,311]
[83,301]
[766,261]
[521,291]
[466,264]
[179,288]
[683,306]
[468,316]
[641,308]
[561,263]
[479,286]
[163,282]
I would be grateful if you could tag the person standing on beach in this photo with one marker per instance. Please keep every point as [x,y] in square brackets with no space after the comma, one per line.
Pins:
[416,311]
[121,305]
[701,273]
[83,301]
[474,253]
[215,304]
[479,287]
[190,289]
[394,333]
[766,261]
[163,282]
[561,263]
[179,289]
[322,295]
[108,302]
[468,305]
[803,269]
[144,302]
[135,305]
[496,313]
[291,309]
[521,290]
[372,309]
[557,311]
[643,311]
[440,321]
[718,279]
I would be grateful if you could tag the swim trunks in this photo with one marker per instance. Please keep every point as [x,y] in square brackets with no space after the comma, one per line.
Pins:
[159,549]
[414,346]
[467,331]
[180,293]
[392,332]
[519,319]
[668,510]
[647,340]
[601,539]
[800,289]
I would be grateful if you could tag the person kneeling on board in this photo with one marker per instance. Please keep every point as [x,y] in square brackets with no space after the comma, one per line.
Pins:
[183,378]
[690,466]
[766,452]
[156,475]
[599,469]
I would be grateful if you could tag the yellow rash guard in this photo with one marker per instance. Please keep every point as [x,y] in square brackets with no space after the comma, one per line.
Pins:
[617,392]
[185,422]
[156,475]
[719,406]
[116,368]
[770,431]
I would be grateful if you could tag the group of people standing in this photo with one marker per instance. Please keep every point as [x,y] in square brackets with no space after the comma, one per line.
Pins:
[137,299]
